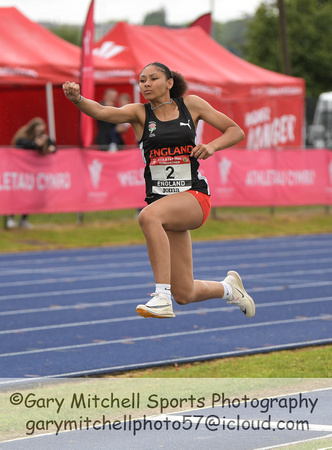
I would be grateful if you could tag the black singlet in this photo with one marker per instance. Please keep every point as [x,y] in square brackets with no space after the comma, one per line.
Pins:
[166,148]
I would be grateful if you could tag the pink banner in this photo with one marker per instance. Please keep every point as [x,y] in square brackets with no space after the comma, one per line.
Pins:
[271,122]
[268,121]
[269,178]
[71,180]
[75,180]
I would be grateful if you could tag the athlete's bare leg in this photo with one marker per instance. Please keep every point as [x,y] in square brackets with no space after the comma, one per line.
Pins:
[183,286]
[165,224]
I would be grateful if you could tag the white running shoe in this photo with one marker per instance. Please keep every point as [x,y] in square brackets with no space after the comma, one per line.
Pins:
[158,307]
[24,223]
[240,296]
[11,223]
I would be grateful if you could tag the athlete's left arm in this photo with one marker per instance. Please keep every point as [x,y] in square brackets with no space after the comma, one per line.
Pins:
[231,132]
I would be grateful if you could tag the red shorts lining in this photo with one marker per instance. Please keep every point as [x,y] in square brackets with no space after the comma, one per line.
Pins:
[204,201]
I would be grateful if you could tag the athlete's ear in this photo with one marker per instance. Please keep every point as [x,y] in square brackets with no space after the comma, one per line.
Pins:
[170,83]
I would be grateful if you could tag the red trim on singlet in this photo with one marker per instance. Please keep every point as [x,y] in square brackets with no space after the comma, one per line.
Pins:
[204,201]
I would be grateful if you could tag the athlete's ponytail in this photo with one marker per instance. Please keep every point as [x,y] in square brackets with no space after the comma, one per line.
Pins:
[179,86]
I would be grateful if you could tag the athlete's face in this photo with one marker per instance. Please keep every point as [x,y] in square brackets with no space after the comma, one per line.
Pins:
[153,83]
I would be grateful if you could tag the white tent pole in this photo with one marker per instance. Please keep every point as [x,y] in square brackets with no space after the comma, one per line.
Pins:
[212,7]
[50,111]
[137,97]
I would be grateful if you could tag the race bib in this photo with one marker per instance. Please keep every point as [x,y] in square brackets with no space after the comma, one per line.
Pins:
[170,174]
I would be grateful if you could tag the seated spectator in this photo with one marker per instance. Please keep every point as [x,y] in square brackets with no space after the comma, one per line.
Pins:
[31,136]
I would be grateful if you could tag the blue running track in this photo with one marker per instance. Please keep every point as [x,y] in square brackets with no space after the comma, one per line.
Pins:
[72,312]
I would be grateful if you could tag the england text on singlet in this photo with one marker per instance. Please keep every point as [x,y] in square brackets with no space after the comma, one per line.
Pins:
[166,148]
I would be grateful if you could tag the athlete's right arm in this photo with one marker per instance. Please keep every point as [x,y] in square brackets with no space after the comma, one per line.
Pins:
[127,113]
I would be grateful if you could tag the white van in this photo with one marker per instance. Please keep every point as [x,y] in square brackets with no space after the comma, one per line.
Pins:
[320,132]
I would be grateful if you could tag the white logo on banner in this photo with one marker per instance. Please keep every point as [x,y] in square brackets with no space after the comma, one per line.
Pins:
[21,181]
[95,169]
[87,43]
[134,177]
[224,168]
[330,171]
[263,131]
[108,50]
[271,177]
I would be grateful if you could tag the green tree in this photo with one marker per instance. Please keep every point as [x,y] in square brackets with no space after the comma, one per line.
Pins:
[69,33]
[309,40]
[262,44]
[233,36]
[156,18]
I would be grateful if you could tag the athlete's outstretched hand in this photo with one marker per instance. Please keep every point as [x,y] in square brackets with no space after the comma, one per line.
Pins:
[72,91]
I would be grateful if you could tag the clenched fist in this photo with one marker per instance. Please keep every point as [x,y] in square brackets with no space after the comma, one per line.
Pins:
[72,91]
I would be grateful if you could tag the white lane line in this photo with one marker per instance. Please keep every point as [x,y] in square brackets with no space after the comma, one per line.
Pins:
[73,269]
[74,278]
[200,310]
[153,337]
[68,292]
[204,357]
[242,255]
[77,291]
[241,245]
[304,441]
[101,276]
[130,318]
[99,255]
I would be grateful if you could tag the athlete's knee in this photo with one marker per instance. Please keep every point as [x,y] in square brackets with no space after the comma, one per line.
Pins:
[181,296]
[148,217]
[144,217]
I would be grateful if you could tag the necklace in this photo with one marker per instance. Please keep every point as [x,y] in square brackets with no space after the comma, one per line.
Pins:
[161,104]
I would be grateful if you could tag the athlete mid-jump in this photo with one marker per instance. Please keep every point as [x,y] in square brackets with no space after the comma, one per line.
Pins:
[178,196]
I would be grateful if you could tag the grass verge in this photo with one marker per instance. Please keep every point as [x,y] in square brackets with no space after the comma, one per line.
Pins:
[115,228]
[309,362]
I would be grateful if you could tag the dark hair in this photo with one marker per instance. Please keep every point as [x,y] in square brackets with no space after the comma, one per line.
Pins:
[179,86]
[28,131]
